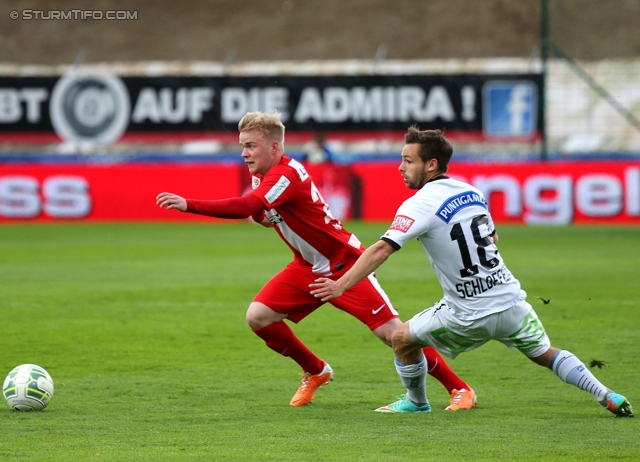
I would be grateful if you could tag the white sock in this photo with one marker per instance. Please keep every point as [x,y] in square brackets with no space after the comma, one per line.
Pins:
[571,370]
[414,379]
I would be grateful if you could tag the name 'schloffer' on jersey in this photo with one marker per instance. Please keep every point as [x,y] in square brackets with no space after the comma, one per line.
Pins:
[478,286]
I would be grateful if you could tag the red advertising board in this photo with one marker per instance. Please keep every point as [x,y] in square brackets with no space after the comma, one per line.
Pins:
[533,192]
[108,192]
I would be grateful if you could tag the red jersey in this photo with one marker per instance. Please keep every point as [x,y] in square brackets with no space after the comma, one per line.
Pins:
[303,220]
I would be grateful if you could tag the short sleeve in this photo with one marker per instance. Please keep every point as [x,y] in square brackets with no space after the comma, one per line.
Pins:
[410,222]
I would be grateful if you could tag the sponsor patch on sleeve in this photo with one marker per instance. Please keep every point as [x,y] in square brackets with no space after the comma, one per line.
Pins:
[277,189]
[401,223]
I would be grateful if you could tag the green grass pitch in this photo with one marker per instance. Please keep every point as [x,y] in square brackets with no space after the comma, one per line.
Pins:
[142,328]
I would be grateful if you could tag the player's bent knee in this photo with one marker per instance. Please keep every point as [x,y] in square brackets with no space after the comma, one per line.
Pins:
[402,341]
[260,315]
[254,318]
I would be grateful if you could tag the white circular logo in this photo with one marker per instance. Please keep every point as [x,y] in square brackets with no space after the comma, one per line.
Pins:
[90,108]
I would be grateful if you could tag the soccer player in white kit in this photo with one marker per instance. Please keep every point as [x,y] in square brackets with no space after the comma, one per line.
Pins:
[482,300]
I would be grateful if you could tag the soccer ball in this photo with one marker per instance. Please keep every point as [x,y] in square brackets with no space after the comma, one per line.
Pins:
[28,388]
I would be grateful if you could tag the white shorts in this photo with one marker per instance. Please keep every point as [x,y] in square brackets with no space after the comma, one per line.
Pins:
[517,326]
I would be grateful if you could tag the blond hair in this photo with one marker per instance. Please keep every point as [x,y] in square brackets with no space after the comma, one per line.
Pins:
[269,125]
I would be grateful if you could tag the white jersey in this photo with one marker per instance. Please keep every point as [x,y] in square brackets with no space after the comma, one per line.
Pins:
[451,221]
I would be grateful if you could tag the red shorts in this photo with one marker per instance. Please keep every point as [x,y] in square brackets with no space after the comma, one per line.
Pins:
[289,292]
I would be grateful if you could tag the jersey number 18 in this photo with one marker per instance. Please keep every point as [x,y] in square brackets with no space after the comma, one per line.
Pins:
[457,234]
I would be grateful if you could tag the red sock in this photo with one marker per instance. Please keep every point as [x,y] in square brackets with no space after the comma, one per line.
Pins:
[440,370]
[280,338]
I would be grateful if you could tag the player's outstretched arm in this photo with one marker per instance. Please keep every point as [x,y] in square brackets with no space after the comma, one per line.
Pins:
[171,201]
[326,289]
[234,207]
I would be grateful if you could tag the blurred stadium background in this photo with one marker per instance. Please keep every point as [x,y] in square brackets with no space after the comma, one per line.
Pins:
[547,84]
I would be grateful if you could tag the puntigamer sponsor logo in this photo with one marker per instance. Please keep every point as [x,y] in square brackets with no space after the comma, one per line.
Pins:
[277,189]
[458,202]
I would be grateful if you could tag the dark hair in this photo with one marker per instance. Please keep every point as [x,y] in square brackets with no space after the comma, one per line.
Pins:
[433,145]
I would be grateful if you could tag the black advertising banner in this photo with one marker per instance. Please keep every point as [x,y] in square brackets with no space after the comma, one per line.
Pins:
[102,108]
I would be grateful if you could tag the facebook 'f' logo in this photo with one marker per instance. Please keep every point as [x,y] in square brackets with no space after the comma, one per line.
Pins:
[510,108]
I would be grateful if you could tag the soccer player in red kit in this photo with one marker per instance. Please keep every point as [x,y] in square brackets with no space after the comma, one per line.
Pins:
[284,197]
